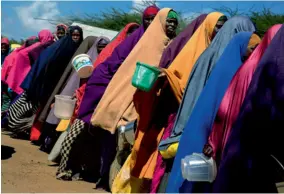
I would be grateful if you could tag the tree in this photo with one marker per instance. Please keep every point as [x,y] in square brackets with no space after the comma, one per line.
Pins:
[116,19]
[263,20]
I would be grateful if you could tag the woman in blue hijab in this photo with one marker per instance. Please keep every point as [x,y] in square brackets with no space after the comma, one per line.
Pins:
[41,80]
[200,73]
[203,115]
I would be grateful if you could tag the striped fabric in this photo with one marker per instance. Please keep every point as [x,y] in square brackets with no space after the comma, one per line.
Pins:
[21,115]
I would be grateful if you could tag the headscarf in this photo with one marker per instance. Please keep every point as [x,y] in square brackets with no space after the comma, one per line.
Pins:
[93,52]
[104,72]
[63,27]
[69,77]
[172,15]
[199,74]
[105,53]
[153,109]
[178,72]
[256,139]
[4,41]
[25,59]
[178,43]
[201,120]
[116,107]
[113,44]
[10,60]
[47,70]
[235,94]
[151,10]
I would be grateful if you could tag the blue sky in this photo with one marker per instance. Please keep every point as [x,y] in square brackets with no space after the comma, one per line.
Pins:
[18,21]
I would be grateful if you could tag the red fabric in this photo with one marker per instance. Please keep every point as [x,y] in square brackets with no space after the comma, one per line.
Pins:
[36,128]
[36,131]
[152,10]
[106,52]
[5,41]
[234,96]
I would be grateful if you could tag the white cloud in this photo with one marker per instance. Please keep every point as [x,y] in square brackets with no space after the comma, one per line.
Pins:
[38,9]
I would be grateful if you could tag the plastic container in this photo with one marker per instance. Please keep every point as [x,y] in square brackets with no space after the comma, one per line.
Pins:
[83,65]
[145,76]
[198,168]
[64,106]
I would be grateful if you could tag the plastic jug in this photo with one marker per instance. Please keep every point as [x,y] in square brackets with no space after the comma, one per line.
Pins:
[145,76]
[198,168]
[64,106]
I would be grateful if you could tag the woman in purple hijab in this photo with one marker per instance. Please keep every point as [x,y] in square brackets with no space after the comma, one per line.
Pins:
[104,72]
[254,151]
[96,85]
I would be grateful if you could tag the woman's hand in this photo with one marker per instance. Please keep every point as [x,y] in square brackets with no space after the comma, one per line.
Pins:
[208,150]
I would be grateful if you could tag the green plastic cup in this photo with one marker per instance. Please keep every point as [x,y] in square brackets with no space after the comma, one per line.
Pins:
[145,76]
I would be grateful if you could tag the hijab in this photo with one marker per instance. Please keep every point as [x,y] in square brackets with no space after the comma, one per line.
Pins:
[10,59]
[178,43]
[200,73]
[49,67]
[25,59]
[105,53]
[256,138]
[235,94]
[178,73]
[70,78]
[103,73]
[200,123]
[116,106]
[152,108]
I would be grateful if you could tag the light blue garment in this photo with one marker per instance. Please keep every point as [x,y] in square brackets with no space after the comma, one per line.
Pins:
[201,72]
[200,123]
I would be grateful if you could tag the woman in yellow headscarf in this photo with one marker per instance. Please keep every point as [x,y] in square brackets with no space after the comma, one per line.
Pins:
[153,108]
[116,107]
[148,50]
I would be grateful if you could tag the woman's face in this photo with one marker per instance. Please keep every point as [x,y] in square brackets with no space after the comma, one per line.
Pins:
[132,29]
[60,33]
[76,36]
[4,48]
[171,26]
[100,47]
[148,20]
[217,27]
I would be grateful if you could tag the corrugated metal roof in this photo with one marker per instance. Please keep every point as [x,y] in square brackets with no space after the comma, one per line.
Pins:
[95,31]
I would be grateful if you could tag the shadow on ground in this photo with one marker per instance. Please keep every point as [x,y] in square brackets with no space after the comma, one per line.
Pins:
[7,152]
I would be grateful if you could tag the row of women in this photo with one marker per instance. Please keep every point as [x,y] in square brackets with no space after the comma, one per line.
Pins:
[220,93]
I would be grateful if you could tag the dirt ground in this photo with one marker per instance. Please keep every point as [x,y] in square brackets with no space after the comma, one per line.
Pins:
[26,169]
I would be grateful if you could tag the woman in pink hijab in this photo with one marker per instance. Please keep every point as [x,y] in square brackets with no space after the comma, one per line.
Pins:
[24,59]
